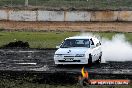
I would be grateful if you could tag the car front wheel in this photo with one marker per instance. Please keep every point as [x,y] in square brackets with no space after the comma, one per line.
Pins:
[90,59]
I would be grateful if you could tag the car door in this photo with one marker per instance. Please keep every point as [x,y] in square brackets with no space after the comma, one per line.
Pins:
[96,49]
[93,51]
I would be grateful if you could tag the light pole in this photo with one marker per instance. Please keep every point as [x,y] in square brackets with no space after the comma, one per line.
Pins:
[26,2]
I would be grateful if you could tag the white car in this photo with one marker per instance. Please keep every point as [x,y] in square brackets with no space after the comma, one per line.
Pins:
[78,50]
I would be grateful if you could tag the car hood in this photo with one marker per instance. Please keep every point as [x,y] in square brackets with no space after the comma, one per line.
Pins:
[74,50]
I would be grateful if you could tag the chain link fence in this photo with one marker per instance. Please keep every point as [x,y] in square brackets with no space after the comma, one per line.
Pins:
[73,4]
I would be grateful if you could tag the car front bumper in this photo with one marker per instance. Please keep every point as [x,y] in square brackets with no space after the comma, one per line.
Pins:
[75,60]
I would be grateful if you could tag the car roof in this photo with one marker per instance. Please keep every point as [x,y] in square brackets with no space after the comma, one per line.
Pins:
[80,37]
[84,37]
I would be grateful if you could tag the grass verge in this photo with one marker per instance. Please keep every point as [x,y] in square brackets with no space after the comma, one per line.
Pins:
[48,39]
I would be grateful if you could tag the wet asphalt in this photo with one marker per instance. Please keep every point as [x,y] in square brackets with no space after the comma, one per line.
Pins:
[42,60]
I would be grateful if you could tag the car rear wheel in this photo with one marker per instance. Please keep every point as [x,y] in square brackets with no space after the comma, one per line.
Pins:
[99,60]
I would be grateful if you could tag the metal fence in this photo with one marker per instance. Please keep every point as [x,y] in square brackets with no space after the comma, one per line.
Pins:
[64,4]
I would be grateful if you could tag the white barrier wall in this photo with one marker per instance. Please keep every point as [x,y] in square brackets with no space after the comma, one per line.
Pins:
[104,15]
[50,15]
[22,15]
[125,16]
[19,15]
[3,15]
[77,16]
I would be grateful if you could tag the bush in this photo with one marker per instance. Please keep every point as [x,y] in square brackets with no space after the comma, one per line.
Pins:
[17,44]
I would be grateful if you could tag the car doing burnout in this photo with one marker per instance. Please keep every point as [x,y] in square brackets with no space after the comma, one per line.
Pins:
[78,50]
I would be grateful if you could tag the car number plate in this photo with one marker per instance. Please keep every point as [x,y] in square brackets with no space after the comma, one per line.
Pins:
[68,59]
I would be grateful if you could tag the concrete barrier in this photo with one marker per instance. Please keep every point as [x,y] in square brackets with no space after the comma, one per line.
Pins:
[3,15]
[125,16]
[77,16]
[104,15]
[22,15]
[50,15]
[39,15]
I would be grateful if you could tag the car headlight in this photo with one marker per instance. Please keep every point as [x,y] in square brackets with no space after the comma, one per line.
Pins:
[57,55]
[80,55]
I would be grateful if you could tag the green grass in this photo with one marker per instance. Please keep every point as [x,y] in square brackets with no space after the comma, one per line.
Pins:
[47,39]
[77,4]
[35,39]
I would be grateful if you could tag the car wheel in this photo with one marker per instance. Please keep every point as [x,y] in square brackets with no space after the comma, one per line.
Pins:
[99,60]
[90,59]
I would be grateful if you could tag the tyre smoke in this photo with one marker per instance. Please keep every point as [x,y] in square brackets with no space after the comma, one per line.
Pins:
[117,49]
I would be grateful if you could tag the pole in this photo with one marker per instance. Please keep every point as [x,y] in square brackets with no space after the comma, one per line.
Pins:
[26,2]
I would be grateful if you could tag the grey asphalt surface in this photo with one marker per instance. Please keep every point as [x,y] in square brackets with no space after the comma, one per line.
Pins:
[41,60]
[38,65]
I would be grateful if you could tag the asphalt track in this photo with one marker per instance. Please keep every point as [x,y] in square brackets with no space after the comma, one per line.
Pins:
[40,61]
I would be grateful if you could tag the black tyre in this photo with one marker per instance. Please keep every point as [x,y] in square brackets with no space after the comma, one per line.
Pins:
[90,59]
[99,60]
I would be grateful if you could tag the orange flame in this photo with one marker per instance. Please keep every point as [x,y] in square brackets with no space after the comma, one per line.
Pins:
[84,73]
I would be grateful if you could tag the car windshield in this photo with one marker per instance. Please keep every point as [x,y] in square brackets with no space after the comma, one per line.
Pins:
[75,43]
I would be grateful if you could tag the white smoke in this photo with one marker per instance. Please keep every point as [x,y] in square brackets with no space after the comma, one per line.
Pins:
[117,49]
